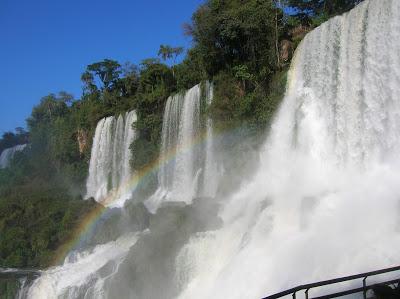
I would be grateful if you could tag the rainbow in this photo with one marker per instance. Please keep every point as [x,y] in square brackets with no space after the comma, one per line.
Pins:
[89,221]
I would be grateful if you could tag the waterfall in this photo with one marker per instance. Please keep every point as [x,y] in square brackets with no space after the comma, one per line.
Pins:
[7,154]
[109,168]
[324,201]
[185,170]
[188,168]
[211,173]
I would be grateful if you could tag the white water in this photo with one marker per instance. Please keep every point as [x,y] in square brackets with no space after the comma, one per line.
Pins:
[109,168]
[325,201]
[211,172]
[187,157]
[84,274]
[7,154]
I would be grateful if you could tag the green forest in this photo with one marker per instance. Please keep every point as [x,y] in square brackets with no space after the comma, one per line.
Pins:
[243,46]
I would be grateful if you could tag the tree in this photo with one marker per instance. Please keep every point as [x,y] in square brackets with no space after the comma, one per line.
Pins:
[108,71]
[153,77]
[21,135]
[88,81]
[50,107]
[130,79]
[8,140]
[230,33]
[339,6]
[20,131]
[190,71]
[167,52]
[65,97]
[312,8]
[156,83]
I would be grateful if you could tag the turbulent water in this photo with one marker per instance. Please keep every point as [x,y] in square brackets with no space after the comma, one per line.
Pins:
[109,168]
[324,201]
[188,166]
[7,154]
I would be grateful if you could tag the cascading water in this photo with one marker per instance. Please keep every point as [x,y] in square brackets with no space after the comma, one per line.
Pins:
[7,154]
[84,274]
[188,165]
[211,173]
[105,264]
[185,171]
[324,202]
[109,168]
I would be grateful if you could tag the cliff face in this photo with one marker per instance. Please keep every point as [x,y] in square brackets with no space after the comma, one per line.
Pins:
[286,51]
[82,138]
[299,32]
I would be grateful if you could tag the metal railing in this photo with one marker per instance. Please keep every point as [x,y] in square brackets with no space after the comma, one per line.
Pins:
[364,288]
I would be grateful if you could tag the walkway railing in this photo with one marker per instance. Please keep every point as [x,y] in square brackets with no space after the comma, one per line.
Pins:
[364,288]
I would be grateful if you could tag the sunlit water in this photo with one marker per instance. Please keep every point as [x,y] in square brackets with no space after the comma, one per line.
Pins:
[324,202]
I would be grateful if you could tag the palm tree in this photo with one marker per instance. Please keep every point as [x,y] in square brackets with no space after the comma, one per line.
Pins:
[167,52]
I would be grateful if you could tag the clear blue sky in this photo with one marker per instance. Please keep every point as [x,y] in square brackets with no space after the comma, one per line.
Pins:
[45,45]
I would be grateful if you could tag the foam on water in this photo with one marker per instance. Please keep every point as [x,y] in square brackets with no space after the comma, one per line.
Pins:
[84,273]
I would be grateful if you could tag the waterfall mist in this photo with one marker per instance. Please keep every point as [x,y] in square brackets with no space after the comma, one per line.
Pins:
[324,200]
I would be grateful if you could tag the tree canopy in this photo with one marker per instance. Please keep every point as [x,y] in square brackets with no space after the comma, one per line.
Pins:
[108,71]
[167,52]
[307,10]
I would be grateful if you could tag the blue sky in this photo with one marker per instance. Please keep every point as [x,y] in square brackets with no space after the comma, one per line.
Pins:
[45,45]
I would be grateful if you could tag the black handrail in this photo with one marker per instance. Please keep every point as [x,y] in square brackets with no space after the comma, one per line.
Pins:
[363,289]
